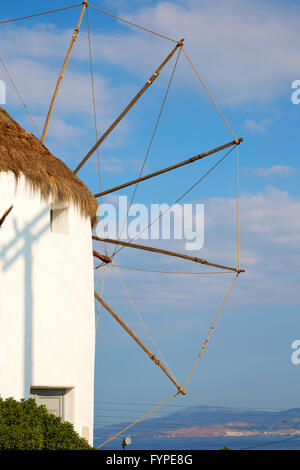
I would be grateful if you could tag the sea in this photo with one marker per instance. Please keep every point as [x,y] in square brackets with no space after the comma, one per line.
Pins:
[207,443]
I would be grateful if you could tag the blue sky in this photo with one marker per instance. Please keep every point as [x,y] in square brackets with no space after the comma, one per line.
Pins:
[247,52]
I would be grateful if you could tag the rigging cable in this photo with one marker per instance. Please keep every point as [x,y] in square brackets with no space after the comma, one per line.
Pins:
[39,14]
[93,92]
[99,305]
[237,206]
[210,332]
[189,377]
[142,321]
[133,24]
[19,95]
[209,94]
[170,272]
[138,420]
[94,109]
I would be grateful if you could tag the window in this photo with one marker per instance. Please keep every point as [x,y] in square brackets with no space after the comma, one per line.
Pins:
[53,399]
[59,219]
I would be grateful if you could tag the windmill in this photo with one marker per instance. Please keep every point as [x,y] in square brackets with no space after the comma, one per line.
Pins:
[46,206]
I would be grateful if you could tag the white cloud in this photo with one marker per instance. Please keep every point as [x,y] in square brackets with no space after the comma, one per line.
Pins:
[60,131]
[72,121]
[245,50]
[111,165]
[37,81]
[261,127]
[282,171]
[41,41]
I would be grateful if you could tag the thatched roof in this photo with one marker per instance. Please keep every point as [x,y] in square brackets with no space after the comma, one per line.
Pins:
[22,153]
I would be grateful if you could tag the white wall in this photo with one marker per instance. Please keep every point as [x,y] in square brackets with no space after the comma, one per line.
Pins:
[47,328]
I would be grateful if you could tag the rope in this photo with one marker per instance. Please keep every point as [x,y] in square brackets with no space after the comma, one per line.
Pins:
[101,275]
[237,206]
[138,420]
[93,92]
[171,272]
[94,109]
[142,322]
[99,306]
[150,143]
[180,198]
[19,95]
[133,24]
[39,14]
[209,94]
[210,332]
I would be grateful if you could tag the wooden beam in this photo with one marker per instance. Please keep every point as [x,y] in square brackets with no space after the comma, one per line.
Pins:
[139,342]
[130,105]
[5,215]
[167,252]
[105,259]
[170,168]
[62,72]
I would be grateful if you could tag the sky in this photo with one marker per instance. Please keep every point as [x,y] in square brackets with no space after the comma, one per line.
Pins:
[248,56]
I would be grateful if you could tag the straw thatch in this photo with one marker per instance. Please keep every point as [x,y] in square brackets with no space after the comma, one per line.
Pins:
[22,153]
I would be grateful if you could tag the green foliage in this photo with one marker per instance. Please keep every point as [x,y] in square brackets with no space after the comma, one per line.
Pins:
[26,426]
[225,448]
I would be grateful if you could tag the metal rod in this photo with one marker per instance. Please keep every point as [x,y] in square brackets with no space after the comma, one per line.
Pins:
[167,252]
[139,342]
[169,168]
[130,105]
[62,72]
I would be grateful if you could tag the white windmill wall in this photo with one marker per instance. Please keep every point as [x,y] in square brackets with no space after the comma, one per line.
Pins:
[47,328]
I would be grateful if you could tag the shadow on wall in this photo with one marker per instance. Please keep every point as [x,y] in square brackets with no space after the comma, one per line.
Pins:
[27,236]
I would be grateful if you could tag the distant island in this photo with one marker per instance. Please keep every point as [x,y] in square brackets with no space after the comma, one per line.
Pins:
[206,421]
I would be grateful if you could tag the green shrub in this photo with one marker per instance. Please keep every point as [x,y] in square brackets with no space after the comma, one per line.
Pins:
[26,426]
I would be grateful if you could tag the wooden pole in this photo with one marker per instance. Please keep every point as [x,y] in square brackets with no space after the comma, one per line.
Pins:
[62,72]
[130,105]
[169,168]
[5,215]
[139,342]
[167,252]
[103,258]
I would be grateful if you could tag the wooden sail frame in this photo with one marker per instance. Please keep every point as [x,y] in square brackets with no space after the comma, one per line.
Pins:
[168,253]
[63,69]
[170,168]
[139,342]
[129,106]
[106,259]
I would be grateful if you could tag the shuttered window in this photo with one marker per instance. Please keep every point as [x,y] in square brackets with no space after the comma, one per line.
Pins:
[53,399]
